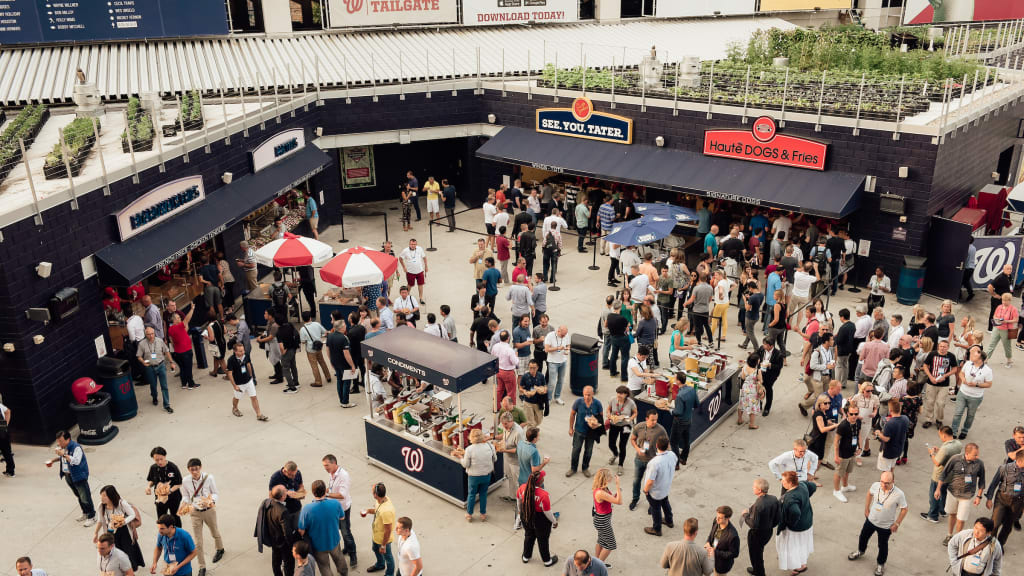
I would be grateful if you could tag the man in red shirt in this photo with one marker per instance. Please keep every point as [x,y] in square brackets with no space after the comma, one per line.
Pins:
[181,344]
[874,350]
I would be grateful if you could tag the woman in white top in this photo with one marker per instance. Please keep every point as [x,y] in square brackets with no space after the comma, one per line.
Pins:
[116,517]
[479,464]
[977,377]
[228,278]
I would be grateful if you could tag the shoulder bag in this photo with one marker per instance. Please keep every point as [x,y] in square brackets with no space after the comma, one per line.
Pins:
[317,344]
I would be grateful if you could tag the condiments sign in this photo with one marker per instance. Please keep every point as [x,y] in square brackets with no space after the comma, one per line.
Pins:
[763,143]
[581,121]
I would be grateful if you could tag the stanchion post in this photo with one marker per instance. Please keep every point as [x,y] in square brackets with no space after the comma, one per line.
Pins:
[430,230]
[594,265]
[343,239]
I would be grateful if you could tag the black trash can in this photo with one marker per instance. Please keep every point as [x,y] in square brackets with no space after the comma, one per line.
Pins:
[583,367]
[94,424]
[115,378]
[198,334]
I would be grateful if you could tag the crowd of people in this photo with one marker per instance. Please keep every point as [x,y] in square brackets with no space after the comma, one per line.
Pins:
[870,378]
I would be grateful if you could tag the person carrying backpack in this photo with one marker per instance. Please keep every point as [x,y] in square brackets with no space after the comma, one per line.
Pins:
[278,292]
[550,257]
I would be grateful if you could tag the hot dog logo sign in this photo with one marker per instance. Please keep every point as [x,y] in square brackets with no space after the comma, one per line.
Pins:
[582,121]
[763,143]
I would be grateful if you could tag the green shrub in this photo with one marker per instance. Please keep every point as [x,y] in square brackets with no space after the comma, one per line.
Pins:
[77,135]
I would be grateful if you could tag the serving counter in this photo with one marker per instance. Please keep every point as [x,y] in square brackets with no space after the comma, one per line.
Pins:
[418,432]
[347,300]
[717,397]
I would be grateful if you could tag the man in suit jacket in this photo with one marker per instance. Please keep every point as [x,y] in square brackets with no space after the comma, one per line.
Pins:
[762,518]
[771,366]
[723,542]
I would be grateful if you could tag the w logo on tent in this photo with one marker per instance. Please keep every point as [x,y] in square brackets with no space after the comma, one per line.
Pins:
[353,6]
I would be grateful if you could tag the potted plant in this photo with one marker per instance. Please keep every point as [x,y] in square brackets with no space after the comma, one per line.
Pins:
[25,126]
[191,115]
[139,129]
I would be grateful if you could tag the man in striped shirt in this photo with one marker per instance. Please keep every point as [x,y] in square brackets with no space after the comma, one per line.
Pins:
[605,218]
[249,265]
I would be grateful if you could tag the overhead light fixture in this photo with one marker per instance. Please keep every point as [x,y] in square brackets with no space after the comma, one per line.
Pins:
[904,172]
[660,141]
[43,269]
[9,347]
[491,118]
[869,184]
[227,177]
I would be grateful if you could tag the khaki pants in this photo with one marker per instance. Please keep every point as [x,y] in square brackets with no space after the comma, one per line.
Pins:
[719,315]
[934,402]
[814,387]
[511,473]
[316,361]
[534,414]
[324,559]
[208,517]
[795,303]
[252,279]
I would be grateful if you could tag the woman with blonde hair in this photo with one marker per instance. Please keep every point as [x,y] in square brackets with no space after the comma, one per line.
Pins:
[1004,328]
[478,461]
[946,320]
[678,340]
[917,320]
[603,500]
[868,403]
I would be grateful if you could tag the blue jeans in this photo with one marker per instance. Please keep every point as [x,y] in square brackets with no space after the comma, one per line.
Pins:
[935,507]
[964,402]
[84,495]
[556,375]
[639,467]
[152,374]
[478,486]
[343,386]
[619,347]
[605,349]
[385,560]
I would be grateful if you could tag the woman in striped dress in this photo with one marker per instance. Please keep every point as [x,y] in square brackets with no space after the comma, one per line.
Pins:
[603,500]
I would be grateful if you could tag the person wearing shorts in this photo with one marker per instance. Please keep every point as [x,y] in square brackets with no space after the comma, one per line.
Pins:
[433,190]
[240,374]
[964,476]
[414,262]
[846,448]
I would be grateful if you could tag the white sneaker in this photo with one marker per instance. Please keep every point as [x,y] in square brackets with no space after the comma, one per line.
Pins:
[849,488]
[89,522]
[81,518]
[840,496]
[559,402]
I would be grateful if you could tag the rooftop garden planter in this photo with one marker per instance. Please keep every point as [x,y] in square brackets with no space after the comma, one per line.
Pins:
[139,130]
[191,115]
[26,126]
[79,139]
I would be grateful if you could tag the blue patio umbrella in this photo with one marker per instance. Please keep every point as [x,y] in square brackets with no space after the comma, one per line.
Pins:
[680,213]
[641,231]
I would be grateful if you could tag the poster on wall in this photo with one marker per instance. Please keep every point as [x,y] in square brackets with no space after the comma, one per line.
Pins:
[357,169]
[928,11]
[490,12]
[352,13]
[687,8]
[778,5]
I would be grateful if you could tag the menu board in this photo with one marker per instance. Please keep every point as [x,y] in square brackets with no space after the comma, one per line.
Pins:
[34,21]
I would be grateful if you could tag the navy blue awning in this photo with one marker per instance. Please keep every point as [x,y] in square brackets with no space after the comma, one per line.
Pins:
[830,194]
[128,262]
[441,362]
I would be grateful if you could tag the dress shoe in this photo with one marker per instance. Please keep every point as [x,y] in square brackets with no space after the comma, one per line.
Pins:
[218,555]
[652,531]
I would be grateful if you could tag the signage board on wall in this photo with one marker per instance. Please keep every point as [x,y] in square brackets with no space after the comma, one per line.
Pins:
[781,5]
[34,21]
[925,11]
[581,121]
[357,170]
[687,8]
[350,13]
[277,148]
[763,143]
[991,254]
[488,12]
[159,204]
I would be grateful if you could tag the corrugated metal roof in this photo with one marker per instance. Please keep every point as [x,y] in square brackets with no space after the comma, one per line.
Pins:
[47,74]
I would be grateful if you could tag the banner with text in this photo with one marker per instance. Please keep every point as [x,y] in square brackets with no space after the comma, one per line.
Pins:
[581,121]
[489,12]
[357,169]
[687,8]
[928,11]
[763,143]
[991,254]
[779,5]
[352,13]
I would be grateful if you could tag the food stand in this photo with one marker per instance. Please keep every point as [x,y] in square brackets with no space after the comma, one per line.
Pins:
[414,434]
[717,380]
[345,299]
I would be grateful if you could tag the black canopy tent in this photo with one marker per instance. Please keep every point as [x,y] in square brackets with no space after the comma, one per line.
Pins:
[439,361]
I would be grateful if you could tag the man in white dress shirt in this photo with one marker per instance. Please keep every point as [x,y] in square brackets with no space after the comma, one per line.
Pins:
[338,488]
[200,492]
[799,460]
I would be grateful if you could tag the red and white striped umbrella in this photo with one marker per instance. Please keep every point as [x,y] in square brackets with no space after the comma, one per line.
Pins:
[357,267]
[293,250]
